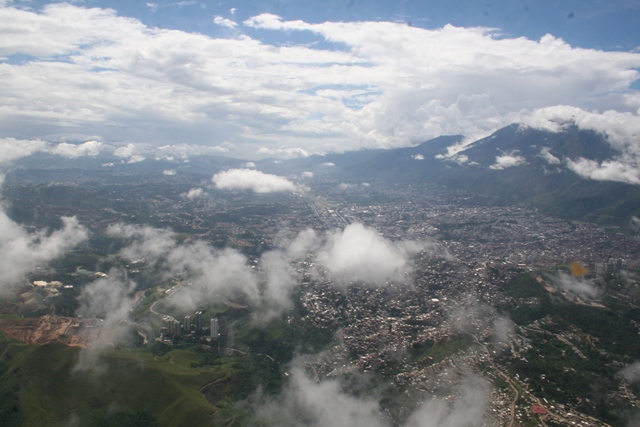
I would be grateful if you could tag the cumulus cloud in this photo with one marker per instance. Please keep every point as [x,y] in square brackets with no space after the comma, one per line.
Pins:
[251,180]
[358,253]
[213,272]
[73,151]
[418,156]
[224,22]
[194,193]
[109,299]
[583,288]
[306,401]
[608,170]
[169,172]
[631,373]
[482,320]
[22,252]
[406,87]
[288,153]
[281,278]
[307,174]
[12,149]
[507,161]
[545,153]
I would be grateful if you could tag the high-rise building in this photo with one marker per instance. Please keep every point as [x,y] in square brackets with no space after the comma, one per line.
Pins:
[199,321]
[187,324]
[214,329]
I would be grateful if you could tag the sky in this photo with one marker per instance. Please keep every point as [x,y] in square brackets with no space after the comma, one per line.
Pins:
[276,78]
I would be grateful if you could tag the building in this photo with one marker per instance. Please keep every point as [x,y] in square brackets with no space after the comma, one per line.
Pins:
[198,321]
[214,329]
[187,324]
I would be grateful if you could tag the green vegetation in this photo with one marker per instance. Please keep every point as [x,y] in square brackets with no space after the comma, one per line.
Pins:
[40,386]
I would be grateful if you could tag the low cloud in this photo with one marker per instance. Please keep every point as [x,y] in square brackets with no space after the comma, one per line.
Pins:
[358,253]
[631,373]
[251,180]
[545,153]
[608,170]
[288,153]
[581,287]
[212,272]
[73,151]
[507,161]
[169,172]
[194,193]
[418,157]
[12,149]
[307,174]
[309,402]
[109,299]
[22,252]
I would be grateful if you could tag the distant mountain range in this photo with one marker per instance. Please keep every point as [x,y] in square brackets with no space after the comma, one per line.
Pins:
[514,164]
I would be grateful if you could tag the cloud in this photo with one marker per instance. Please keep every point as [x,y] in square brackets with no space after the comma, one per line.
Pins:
[123,80]
[360,254]
[468,410]
[631,373]
[545,153]
[213,272]
[12,149]
[328,165]
[307,174]
[507,161]
[608,170]
[111,300]
[22,252]
[224,22]
[169,172]
[583,288]
[281,278]
[194,193]
[251,180]
[287,153]
[73,151]
[418,156]
[306,401]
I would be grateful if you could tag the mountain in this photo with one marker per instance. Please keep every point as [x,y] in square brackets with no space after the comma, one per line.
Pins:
[515,164]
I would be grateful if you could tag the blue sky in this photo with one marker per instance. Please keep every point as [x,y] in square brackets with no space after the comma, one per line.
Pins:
[257,79]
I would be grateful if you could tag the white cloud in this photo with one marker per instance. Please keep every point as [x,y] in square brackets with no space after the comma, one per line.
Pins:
[194,193]
[249,165]
[212,271]
[545,153]
[73,151]
[224,22]
[507,161]
[22,252]
[251,180]
[609,170]
[288,153]
[307,174]
[169,172]
[582,287]
[12,149]
[387,85]
[328,164]
[306,401]
[358,253]
[418,156]
[110,299]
